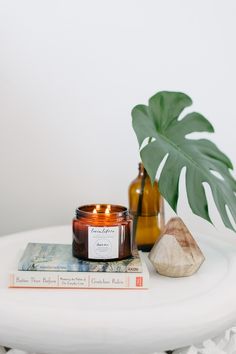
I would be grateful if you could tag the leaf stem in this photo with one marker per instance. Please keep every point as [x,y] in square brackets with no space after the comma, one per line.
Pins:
[140,204]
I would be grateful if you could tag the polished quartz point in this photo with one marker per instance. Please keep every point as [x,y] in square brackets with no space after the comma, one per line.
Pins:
[176,254]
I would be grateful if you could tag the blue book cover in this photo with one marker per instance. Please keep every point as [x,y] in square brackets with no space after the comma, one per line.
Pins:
[58,257]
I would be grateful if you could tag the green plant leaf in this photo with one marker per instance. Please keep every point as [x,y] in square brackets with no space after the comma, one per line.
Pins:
[158,125]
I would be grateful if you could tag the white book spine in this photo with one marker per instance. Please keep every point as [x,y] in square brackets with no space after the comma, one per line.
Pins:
[77,280]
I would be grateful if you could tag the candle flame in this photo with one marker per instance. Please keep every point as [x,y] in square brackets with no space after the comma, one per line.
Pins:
[108,208]
[98,209]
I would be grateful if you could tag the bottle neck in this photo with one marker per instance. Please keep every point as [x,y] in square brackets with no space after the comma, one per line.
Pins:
[142,172]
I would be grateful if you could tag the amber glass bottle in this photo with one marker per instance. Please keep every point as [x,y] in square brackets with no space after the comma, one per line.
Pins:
[146,207]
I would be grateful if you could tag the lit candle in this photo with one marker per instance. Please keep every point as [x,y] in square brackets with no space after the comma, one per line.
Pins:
[102,232]
[107,211]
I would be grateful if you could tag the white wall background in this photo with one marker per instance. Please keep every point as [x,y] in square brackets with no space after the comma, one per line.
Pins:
[70,73]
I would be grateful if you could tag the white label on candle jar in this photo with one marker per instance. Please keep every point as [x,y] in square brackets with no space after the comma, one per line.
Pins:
[103,242]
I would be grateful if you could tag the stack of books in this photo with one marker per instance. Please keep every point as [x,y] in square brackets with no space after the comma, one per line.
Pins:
[46,265]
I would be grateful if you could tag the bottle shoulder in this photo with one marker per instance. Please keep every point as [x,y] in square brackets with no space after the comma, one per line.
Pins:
[135,182]
[135,186]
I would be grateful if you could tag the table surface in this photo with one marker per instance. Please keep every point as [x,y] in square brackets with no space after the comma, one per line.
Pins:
[174,312]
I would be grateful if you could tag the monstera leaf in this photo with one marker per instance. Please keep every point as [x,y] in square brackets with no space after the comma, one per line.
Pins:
[204,162]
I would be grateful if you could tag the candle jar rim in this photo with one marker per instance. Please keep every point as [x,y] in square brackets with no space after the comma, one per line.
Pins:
[115,210]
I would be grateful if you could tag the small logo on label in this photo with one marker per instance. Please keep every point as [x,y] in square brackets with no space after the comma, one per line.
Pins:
[139,281]
[103,247]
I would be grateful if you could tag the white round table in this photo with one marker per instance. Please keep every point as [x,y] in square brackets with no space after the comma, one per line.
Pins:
[171,314]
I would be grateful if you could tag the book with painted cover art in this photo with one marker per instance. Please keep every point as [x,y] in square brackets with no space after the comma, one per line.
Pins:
[81,280]
[58,257]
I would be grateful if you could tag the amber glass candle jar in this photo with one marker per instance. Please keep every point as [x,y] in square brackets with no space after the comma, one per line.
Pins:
[102,232]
